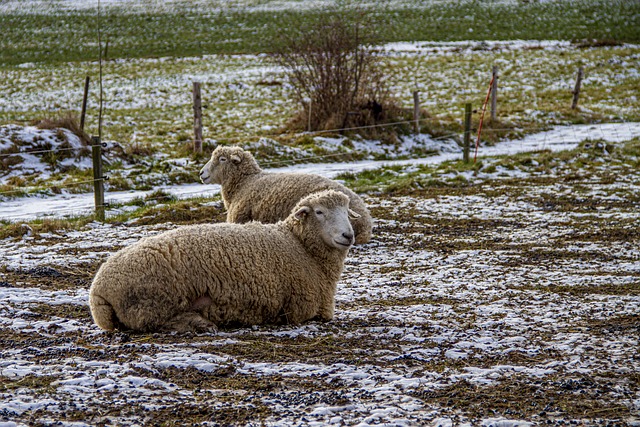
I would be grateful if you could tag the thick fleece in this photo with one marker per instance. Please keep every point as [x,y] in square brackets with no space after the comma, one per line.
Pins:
[195,278]
[251,194]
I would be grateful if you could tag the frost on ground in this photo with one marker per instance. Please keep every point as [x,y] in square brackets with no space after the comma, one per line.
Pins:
[508,302]
[29,150]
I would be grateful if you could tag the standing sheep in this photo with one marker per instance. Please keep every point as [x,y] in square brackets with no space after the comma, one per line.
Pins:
[197,277]
[249,193]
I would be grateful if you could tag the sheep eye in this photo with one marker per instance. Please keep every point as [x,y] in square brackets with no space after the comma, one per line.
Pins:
[222,159]
[319,212]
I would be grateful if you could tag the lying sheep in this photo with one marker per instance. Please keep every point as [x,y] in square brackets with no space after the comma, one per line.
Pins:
[195,278]
[249,193]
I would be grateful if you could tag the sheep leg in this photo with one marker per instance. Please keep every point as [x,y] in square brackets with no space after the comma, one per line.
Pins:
[326,313]
[189,321]
[360,229]
[239,217]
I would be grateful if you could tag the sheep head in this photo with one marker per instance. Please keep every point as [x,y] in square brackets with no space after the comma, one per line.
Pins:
[326,214]
[227,163]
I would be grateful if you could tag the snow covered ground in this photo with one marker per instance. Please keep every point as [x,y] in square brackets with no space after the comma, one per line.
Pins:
[507,303]
[147,5]
[510,302]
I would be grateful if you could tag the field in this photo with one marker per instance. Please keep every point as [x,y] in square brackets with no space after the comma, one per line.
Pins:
[512,300]
[499,293]
[147,104]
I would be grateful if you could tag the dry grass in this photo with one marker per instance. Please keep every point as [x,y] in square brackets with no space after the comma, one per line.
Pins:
[36,228]
[521,398]
[69,121]
[538,293]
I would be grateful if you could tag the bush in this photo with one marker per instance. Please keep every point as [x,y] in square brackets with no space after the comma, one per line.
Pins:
[336,76]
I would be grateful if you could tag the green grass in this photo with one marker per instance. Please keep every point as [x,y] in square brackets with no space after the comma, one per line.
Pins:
[448,178]
[39,226]
[54,36]
[159,208]
[156,208]
[587,160]
[9,385]
[534,92]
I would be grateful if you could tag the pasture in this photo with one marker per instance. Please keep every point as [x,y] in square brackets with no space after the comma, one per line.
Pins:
[499,293]
[147,100]
[512,300]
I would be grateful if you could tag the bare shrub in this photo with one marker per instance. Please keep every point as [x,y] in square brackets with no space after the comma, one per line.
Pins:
[336,76]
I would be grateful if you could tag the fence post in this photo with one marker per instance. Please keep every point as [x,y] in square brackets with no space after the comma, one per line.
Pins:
[98,179]
[416,111]
[467,133]
[84,103]
[197,118]
[576,90]
[494,93]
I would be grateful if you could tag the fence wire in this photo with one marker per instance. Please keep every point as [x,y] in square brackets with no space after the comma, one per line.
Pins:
[53,150]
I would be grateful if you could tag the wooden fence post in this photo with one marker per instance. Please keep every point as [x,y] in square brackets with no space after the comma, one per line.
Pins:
[467,133]
[494,93]
[576,90]
[84,103]
[197,118]
[98,178]
[416,111]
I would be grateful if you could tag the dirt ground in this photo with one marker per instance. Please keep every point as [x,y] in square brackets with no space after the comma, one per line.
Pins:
[506,302]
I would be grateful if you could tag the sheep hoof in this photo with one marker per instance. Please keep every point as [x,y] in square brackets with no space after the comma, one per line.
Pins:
[190,322]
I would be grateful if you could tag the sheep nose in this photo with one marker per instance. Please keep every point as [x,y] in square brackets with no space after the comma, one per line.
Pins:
[348,236]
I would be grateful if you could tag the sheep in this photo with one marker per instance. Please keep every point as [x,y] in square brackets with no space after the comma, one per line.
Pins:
[249,193]
[196,278]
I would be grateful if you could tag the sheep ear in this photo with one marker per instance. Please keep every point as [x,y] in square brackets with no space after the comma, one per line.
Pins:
[235,159]
[302,213]
[354,214]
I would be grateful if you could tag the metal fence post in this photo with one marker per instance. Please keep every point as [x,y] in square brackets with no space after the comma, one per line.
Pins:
[494,94]
[416,111]
[467,133]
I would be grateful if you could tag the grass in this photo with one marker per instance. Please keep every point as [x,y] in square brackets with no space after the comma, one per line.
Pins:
[148,113]
[54,36]
[28,381]
[587,162]
[156,208]
[179,212]
[432,281]
[584,164]
[37,227]
[148,106]
[521,398]
[580,168]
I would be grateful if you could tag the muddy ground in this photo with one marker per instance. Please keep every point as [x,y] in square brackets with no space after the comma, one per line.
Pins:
[500,302]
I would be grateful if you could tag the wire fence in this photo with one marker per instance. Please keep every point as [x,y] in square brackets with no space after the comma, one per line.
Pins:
[548,139]
[284,162]
[300,160]
[53,150]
